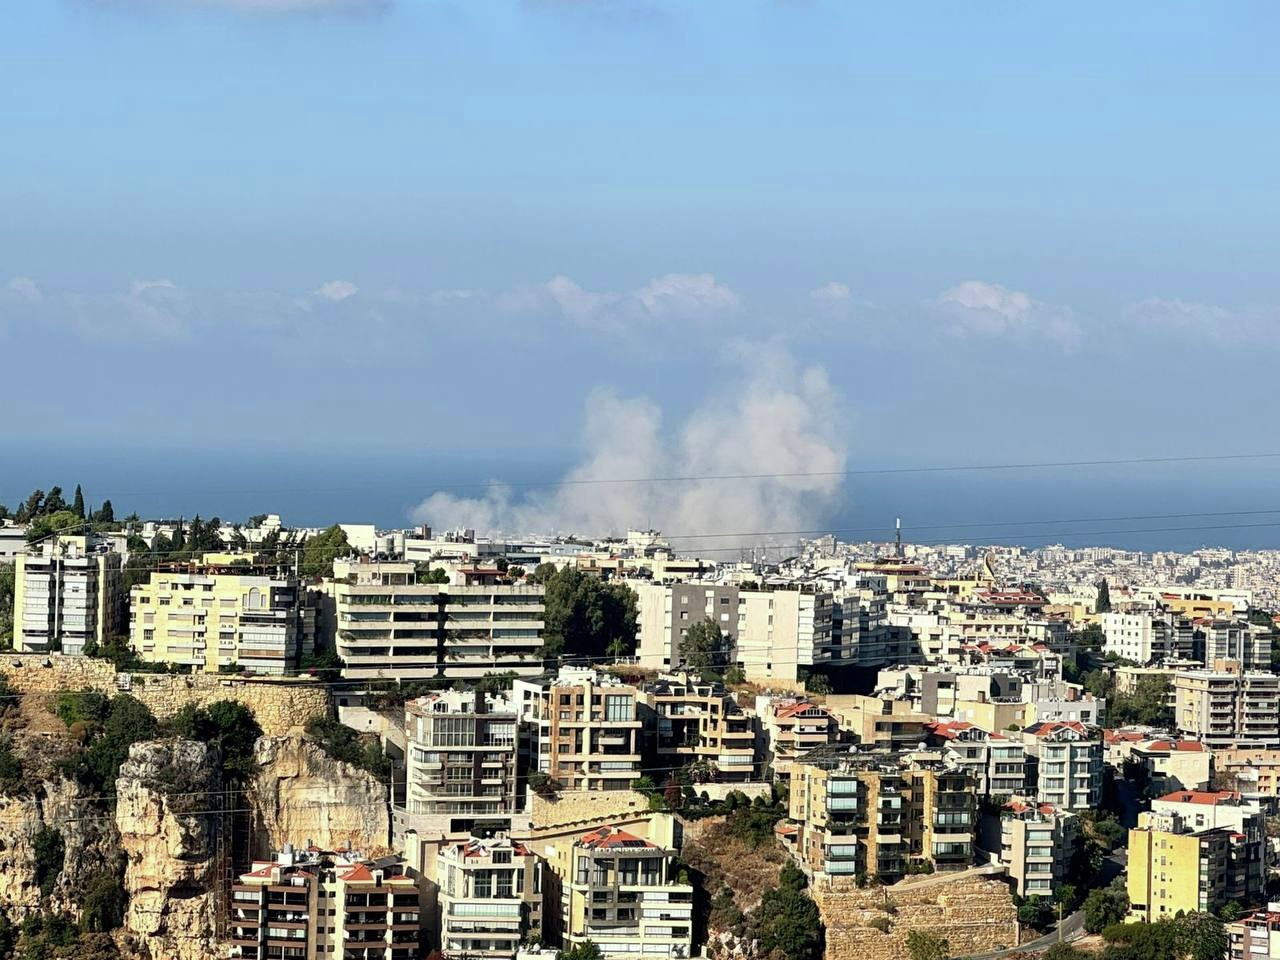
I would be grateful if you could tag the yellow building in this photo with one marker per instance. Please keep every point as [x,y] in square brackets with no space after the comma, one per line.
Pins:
[1171,872]
[221,619]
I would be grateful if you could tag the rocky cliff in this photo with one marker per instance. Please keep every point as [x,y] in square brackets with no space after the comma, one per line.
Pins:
[168,814]
[85,831]
[301,794]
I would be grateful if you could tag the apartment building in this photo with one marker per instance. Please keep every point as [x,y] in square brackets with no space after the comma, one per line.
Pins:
[881,722]
[859,813]
[460,762]
[1038,844]
[1257,771]
[868,635]
[310,904]
[791,727]
[1171,764]
[996,762]
[585,728]
[698,722]
[771,634]
[1066,764]
[222,617]
[1195,850]
[386,626]
[488,898]
[1228,706]
[626,894]
[1227,639]
[67,592]
[1255,937]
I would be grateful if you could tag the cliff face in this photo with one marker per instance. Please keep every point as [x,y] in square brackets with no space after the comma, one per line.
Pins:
[87,832]
[168,817]
[302,794]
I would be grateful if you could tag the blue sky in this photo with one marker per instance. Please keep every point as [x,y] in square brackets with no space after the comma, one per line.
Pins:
[998,230]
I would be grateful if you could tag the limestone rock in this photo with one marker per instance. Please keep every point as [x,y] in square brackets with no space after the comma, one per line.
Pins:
[168,813]
[300,793]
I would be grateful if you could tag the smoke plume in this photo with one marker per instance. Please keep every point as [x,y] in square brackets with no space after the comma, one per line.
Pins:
[777,418]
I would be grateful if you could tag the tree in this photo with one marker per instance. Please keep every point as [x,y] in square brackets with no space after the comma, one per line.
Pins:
[586,950]
[319,552]
[1148,704]
[424,573]
[702,645]
[1102,908]
[229,725]
[1231,912]
[7,587]
[1103,604]
[1064,951]
[787,920]
[1201,936]
[923,945]
[104,903]
[1035,913]
[105,514]
[77,503]
[583,616]
[54,502]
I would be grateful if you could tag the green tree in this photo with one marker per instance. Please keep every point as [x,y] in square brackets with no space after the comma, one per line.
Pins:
[584,616]
[229,725]
[47,524]
[1201,936]
[424,573]
[586,950]
[1101,909]
[702,646]
[11,773]
[1148,704]
[104,901]
[1065,951]
[7,587]
[787,922]
[77,503]
[319,552]
[1035,912]
[105,514]
[922,945]
[54,502]
[1103,604]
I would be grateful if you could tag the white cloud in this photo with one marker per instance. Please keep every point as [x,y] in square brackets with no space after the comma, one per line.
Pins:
[775,419]
[832,292]
[675,296]
[979,309]
[155,306]
[337,290]
[1201,321]
[26,288]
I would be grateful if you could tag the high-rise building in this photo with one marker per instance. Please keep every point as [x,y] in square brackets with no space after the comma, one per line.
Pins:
[1228,706]
[67,592]
[488,898]
[698,722]
[1066,767]
[1038,844]
[460,762]
[585,728]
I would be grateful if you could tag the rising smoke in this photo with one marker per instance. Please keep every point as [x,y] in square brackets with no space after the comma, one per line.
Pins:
[777,418]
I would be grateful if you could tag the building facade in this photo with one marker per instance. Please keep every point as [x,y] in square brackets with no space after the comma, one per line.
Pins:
[1228,706]
[489,897]
[67,593]
[1038,845]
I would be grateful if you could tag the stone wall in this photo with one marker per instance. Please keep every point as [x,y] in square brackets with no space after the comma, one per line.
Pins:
[974,912]
[281,705]
[588,808]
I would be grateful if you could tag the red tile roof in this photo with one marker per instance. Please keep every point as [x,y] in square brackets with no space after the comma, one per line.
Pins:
[1207,797]
[610,837]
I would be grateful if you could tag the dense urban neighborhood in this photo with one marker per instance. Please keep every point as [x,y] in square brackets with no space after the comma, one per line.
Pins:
[255,741]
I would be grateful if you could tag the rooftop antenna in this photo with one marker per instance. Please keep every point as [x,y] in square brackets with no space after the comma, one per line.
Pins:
[897,537]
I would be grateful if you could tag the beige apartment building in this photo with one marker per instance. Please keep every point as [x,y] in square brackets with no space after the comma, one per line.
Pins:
[1228,707]
[67,592]
[697,721]
[585,727]
[861,814]
[791,727]
[314,904]
[1037,846]
[386,626]
[223,617]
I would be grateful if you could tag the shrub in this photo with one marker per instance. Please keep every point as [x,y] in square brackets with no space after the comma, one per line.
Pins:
[344,744]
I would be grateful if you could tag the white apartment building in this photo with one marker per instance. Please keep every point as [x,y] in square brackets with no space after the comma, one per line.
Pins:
[488,895]
[386,626]
[771,634]
[1130,636]
[1068,764]
[67,592]
[1037,845]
